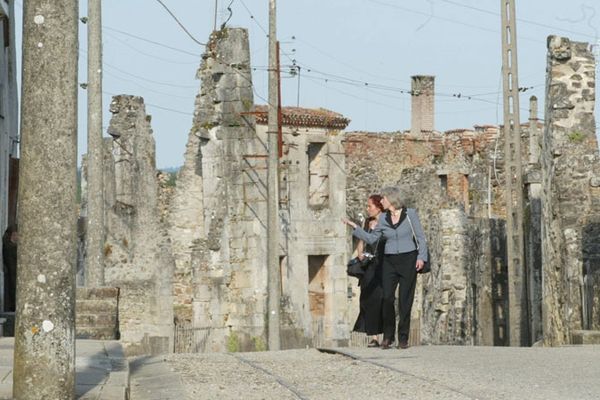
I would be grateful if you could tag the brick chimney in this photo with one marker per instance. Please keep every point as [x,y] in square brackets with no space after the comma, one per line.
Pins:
[422,105]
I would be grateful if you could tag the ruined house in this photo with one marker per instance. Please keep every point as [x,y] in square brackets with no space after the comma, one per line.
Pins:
[218,213]
[189,261]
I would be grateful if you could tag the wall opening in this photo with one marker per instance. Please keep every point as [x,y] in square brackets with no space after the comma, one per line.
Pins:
[444,183]
[317,276]
[318,175]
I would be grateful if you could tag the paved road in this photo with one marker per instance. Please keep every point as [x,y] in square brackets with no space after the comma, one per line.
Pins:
[425,372]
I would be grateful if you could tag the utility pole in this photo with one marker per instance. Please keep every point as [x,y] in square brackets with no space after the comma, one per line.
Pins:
[517,331]
[94,237]
[44,356]
[274,281]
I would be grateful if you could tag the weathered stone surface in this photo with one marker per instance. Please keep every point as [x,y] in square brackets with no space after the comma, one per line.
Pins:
[569,155]
[47,254]
[137,253]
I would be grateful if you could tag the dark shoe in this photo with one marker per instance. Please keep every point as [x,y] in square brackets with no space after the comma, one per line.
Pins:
[373,343]
[403,344]
[386,344]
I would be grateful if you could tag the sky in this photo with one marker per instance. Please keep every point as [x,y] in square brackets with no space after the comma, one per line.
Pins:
[355,57]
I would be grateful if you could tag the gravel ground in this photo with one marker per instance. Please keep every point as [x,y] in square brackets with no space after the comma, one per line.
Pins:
[309,373]
[422,372]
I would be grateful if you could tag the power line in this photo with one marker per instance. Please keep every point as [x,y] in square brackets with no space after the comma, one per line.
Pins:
[149,80]
[337,60]
[180,24]
[254,19]
[446,19]
[313,79]
[104,63]
[150,41]
[145,88]
[149,55]
[155,106]
[518,19]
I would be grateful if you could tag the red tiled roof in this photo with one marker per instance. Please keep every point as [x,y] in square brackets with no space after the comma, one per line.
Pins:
[298,116]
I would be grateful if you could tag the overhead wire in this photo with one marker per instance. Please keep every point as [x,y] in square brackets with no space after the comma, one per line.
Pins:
[114,37]
[453,21]
[150,41]
[180,24]
[156,106]
[146,88]
[526,21]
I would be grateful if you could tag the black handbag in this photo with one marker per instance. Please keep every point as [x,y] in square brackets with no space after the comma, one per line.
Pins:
[427,266]
[357,267]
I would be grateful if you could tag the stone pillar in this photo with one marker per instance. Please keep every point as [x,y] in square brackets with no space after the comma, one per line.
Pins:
[44,357]
[422,104]
[569,201]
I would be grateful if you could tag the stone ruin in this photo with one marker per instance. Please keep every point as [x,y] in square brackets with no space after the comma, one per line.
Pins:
[189,260]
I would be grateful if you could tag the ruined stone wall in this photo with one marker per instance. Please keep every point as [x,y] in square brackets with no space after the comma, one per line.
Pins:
[453,179]
[217,215]
[137,253]
[317,309]
[571,196]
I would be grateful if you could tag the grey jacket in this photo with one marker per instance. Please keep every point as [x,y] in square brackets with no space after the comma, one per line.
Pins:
[399,240]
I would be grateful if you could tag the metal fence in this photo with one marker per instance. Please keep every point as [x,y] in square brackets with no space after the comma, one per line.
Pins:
[190,339]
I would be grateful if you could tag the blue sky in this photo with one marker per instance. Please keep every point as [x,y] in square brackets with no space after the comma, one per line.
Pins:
[355,56]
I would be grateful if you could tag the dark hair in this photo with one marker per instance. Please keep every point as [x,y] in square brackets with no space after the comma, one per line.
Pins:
[9,231]
[376,199]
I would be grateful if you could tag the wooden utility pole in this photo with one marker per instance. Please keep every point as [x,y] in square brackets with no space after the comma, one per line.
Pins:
[517,331]
[94,237]
[274,281]
[44,356]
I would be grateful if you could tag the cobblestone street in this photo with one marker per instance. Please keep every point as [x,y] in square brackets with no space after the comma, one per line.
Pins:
[425,372]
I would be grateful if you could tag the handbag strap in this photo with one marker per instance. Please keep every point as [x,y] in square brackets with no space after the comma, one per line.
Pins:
[413,230]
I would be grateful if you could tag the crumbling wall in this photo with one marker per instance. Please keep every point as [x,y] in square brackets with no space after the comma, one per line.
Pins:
[453,179]
[137,253]
[218,214]
[570,197]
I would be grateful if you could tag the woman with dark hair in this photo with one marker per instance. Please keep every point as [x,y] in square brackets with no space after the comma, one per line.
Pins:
[9,260]
[369,318]
[402,259]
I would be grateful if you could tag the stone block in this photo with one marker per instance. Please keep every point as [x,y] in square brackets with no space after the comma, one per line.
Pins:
[97,293]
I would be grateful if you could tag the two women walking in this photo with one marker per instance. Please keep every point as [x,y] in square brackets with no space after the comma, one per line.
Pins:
[404,254]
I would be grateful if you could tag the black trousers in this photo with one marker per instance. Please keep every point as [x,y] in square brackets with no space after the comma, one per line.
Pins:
[398,270]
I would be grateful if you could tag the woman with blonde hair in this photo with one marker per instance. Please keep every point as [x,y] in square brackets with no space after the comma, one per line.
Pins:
[405,254]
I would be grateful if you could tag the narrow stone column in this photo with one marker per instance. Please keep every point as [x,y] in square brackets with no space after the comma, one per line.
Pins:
[44,357]
[422,104]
